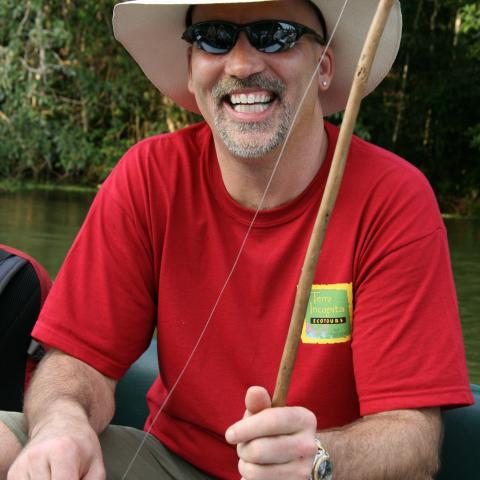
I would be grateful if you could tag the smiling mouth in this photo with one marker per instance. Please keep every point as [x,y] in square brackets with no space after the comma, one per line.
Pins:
[249,102]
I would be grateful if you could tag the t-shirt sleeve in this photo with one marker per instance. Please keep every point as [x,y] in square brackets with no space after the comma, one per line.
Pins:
[407,342]
[101,308]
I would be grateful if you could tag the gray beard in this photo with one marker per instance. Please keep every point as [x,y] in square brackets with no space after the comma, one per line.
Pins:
[249,147]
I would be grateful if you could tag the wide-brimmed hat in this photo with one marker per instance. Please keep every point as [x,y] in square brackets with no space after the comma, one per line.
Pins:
[151,31]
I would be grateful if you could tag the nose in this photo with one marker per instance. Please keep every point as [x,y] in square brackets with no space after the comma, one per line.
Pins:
[243,59]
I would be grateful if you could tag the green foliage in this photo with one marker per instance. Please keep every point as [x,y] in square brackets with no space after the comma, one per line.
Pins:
[72,100]
[470,15]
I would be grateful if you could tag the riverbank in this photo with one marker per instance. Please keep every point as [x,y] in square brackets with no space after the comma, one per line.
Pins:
[458,208]
[12,186]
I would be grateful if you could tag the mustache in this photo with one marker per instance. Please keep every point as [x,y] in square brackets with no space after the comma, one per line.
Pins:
[258,80]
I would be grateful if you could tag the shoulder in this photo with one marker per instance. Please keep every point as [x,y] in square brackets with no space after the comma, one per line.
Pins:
[386,195]
[374,172]
[161,158]
[183,143]
[382,165]
[374,162]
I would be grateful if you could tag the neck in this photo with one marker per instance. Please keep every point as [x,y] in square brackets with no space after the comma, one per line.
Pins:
[246,178]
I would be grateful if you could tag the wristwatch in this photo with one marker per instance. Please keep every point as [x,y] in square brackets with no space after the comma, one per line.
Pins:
[322,466]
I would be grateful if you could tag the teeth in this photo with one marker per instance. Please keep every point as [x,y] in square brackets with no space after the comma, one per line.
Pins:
[249,99]
[255,108]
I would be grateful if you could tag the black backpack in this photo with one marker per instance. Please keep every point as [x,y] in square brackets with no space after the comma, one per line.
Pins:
[24,285]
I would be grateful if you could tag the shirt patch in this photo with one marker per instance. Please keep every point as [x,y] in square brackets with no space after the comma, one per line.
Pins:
[329,314]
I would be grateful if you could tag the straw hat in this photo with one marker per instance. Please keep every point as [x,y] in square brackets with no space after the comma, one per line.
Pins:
[151,32]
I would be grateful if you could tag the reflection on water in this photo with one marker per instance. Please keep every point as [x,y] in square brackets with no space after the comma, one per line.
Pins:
[44,225]
[464,239]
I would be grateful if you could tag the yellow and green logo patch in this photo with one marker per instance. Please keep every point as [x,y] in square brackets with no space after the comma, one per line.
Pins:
[329,314]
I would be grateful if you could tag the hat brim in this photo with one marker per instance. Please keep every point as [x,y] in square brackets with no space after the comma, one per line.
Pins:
[151,31]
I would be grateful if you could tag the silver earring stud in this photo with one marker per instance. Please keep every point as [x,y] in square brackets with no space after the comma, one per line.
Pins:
[324,83]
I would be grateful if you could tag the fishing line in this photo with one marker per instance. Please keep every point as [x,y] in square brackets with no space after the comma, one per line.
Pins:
[242,246]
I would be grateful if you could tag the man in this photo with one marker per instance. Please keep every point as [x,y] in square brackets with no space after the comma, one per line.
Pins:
[381,350]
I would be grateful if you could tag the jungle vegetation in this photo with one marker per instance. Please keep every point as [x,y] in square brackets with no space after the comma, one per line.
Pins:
[72,100]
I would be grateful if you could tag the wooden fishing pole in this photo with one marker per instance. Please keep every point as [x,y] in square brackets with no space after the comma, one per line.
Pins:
[328,201]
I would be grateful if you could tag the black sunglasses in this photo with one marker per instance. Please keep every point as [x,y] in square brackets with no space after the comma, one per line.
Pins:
[268,36]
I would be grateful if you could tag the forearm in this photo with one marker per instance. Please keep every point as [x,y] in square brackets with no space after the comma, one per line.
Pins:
[392,445]
[66,389]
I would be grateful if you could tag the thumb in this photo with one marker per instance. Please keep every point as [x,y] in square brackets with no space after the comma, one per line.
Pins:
[256,400]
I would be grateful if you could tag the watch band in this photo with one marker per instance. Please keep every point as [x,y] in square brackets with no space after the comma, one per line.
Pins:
[322,466]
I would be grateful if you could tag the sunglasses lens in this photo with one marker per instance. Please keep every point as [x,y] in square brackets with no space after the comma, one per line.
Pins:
[272,37]
[268,36]
[212,37]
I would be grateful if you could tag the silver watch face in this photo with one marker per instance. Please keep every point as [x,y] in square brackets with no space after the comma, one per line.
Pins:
[322,465]
[325,470]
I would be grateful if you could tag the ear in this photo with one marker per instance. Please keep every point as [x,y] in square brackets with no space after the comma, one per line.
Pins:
[189,66]
[326,71]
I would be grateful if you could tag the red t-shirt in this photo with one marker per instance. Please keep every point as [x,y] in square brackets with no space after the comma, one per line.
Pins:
[382,329]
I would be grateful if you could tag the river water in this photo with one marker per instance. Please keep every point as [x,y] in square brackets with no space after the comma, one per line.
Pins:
[44,223]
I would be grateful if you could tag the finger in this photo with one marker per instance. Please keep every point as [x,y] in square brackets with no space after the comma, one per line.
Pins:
[299,470]
[63,470]
[257,399]
[96,472]
[38,469]
[270,422]
[17,472]
[59,472]
[66,464]
[280,449]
